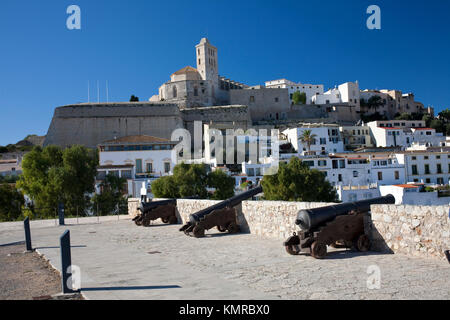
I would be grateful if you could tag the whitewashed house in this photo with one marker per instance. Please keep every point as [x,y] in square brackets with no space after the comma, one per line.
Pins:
[136,158]
[328,139]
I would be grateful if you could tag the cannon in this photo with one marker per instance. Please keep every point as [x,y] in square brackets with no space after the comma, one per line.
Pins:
[149,211]
[222,215]
[339,226]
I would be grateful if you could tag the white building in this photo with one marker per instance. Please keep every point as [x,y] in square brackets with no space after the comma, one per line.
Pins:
[309,89]
[398,133]
[136,158]
[431,166]
[327,139]
[11,167]
[414,194]
[345,93]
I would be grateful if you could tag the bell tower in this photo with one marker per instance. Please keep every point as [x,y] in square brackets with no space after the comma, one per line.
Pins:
[207,60]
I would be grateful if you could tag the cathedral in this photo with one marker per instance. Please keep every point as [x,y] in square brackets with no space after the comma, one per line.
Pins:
[201,86]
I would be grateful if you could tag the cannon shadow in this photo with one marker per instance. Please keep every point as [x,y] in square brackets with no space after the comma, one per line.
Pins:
[377,242]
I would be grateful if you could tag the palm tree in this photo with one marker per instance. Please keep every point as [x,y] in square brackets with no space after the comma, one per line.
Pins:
[308,137]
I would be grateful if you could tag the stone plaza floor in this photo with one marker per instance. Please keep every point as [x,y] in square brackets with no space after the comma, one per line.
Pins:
[119,260]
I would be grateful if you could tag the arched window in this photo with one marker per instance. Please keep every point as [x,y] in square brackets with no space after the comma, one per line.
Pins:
[174,89]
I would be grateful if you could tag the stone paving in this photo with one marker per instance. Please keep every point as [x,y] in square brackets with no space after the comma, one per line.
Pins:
[119,260]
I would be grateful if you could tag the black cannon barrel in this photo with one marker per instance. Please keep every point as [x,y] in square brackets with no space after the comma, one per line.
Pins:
[147,206]
[231,202]
[312,218]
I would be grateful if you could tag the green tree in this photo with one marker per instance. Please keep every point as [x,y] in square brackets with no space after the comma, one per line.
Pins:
[308,138]
[404,116]
[223,183]
[11,202]
[295,181]
[112,198]
[133,98]
[52,175]
[165,187]
[191,180]
[299,97]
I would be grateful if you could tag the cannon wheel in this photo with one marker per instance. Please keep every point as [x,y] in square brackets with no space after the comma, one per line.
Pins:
[318,250]
[221,229]
[138,221]
[145,222]
[198,232]
[233,228]
[165,220]
[363,243]
[291,250]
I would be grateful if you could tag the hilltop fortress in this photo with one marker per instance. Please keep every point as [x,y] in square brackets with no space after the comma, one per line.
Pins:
[201,94]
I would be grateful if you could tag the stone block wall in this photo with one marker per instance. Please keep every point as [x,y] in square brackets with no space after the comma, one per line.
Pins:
[275,219]
[133,205]
[412,230]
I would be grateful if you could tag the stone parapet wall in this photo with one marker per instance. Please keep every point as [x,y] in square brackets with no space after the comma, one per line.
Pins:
[412,230]
[186,207]
[275,219]
[133,205]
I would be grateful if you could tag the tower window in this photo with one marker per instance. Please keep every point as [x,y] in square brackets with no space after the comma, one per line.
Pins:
[199,61]
[174,90]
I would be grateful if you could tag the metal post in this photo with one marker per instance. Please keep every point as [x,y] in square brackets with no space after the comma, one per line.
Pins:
[66,262]
[61,213]
[26,224]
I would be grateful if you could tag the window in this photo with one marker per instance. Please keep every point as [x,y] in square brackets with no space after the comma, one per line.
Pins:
[428,180]
[425,158]
[439,168]
[380,175]
[335,164]
[341,164]
[340,177]
[414,158]
[427,169]
[252,98]
[166,167]
[322,163]
[196,91]
[138,165]
[276,99]
[174,91]
[396,175]
[414,169]
[438,157]
[323,141]
[440,180]
[355,174]
[149,168]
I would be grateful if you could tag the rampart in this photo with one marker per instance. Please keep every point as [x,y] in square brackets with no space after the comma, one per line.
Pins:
[411,230]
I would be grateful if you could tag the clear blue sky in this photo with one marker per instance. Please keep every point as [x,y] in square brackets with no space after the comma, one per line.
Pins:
[136,45]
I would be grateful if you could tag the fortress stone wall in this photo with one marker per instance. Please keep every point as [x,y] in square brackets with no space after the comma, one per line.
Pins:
[91,124]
